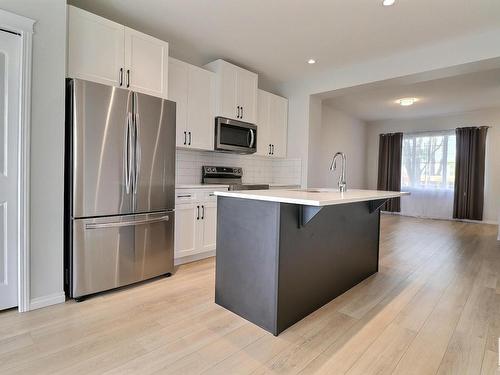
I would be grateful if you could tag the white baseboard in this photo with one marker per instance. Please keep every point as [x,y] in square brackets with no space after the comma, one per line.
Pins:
[44,301]
[489,222]
[194,258]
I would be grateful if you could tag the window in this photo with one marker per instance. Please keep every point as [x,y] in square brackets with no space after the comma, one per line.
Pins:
[428,160]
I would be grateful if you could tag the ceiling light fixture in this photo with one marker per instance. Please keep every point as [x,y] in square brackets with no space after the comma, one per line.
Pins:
[388,3]
[405,102]
[311,61]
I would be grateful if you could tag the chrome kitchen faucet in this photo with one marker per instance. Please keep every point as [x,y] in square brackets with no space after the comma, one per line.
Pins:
[342,182]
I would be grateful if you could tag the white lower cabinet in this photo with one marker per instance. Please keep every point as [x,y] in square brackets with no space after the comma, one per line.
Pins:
[195,224]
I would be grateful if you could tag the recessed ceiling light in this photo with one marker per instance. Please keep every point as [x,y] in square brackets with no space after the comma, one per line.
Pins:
[388,3]
[311,61]
[405,102]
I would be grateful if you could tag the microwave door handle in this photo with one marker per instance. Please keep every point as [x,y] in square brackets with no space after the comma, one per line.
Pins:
[252,138]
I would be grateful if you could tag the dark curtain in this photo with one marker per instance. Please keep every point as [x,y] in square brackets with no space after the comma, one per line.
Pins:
[389,167]
[469,173]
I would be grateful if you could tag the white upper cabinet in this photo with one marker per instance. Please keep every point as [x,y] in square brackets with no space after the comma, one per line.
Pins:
[246,84]
[236,91]
[200,116]
[106,52]
[178,92]
[95,48]
[192,88]
[226,91]
[278,119]
[272,124]
[146,63]
[263,131]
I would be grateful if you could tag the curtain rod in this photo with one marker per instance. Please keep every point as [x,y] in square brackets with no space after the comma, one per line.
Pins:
[435,131]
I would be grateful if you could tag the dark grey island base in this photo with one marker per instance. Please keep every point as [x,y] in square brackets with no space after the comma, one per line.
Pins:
[279,262]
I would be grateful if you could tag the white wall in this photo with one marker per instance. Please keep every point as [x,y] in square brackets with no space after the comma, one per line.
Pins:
[428,58]
[339,132]
[47,144]
[486,117]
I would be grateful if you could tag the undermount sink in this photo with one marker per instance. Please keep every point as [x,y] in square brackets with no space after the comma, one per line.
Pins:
[317,190]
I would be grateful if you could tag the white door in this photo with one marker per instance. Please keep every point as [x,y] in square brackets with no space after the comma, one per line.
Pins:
[146,64]
[10,59]
[200,108]
[95,48]
[247,95]
[227,91]
[263,131]
[278,118]
[178,92]
[186,223]
[209,221]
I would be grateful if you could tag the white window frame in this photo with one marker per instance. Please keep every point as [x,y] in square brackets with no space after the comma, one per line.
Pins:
[24,27]
[435,133]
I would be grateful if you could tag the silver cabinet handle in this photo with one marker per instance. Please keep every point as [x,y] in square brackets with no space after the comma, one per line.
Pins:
[184,196]
[197,212]
[238,112]
[117,224]
[241,113]
[211,195]
[128,78]
[202,212]
[185,137]
[272,149]
[121,77]
[269,153]
[189,138]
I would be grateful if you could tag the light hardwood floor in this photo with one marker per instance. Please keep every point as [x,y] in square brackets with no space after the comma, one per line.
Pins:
[434,308]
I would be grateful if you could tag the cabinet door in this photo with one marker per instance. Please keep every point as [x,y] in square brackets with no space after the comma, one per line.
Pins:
[247,95]
[227,91]
[278,119]
[186,223]
[200,114]
[209,226]
[146,63]
[263,133]
[95,48]
[178,92]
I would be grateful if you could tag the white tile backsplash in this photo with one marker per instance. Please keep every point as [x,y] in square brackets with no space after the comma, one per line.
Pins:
[256,169]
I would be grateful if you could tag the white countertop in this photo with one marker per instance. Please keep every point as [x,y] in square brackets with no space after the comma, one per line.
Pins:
[200,186]
[312,197]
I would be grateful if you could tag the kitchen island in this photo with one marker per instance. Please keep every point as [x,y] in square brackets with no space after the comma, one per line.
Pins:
[282,254]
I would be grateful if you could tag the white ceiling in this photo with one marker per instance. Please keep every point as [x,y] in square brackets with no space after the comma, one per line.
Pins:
[276,37]
[461,93]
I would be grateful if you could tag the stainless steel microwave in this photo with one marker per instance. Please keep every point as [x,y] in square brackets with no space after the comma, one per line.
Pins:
[235,136]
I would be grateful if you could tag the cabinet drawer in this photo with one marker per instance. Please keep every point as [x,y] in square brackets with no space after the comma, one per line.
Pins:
[186,196]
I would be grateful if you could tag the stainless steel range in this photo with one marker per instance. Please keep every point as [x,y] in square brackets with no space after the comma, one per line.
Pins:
[232,176]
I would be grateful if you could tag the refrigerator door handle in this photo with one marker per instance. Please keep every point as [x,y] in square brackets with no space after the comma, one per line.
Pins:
[128,152]
[137,145]
[116,224]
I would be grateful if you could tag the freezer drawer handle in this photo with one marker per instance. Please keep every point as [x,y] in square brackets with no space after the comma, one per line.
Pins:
[117,224]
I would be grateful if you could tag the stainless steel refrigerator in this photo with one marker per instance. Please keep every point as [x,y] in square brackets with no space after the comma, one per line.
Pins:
[119,187]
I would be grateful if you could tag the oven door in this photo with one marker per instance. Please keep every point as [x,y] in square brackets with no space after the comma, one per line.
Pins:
[235,136]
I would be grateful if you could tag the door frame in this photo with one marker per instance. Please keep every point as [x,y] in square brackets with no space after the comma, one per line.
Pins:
[23,27]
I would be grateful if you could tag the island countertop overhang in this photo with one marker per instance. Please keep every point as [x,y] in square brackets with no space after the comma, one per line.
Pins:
[314,196]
